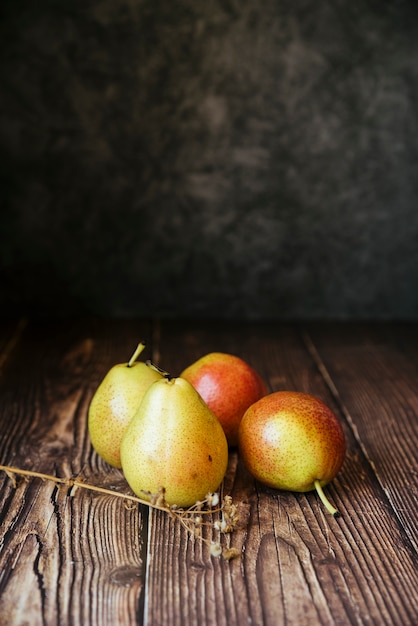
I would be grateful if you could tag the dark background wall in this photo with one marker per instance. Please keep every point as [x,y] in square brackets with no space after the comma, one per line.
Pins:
[220,158]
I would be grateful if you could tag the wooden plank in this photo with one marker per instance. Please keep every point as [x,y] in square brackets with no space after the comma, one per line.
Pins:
[85,560]
[373,375]
[64,559]
[298,565]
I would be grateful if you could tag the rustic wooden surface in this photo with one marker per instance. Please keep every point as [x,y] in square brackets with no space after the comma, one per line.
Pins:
[83,558]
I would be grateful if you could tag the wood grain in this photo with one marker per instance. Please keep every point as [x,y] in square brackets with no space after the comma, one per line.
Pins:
[65,559]
[87,559]
[376,385]
[299,565]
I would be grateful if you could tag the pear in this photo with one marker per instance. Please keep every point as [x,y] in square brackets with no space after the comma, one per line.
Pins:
[174,442]
[115,402]
[228,385]
[292,441]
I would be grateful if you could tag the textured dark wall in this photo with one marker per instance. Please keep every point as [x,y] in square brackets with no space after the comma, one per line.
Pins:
[223,158]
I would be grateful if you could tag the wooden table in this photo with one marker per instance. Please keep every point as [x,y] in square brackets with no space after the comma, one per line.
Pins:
[83,558]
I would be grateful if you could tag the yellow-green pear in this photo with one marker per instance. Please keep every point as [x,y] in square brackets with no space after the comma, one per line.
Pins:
[115,402]
[174,442]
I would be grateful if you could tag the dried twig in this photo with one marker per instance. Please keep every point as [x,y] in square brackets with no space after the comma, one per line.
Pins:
[192,518]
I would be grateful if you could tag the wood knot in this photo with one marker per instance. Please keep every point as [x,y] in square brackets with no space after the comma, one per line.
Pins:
[126,576]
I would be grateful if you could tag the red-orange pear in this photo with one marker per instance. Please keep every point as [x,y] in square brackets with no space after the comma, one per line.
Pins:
[292,441]
[228,385]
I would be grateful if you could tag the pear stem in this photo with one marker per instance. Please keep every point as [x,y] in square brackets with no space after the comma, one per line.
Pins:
[136,354]
[158,369]
[325,500]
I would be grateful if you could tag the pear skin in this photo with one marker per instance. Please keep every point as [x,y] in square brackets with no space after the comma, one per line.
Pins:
[292,441]
[228,385]
[176,443]
[113,405]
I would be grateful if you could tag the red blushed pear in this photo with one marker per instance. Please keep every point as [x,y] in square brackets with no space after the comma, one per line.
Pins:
[292,441]
[228,385]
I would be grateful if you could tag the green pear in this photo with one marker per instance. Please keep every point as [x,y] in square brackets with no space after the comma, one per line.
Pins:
[115,402]
[174,442]
[292,441]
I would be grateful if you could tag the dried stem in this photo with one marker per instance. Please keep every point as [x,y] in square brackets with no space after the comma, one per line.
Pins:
[191,518]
